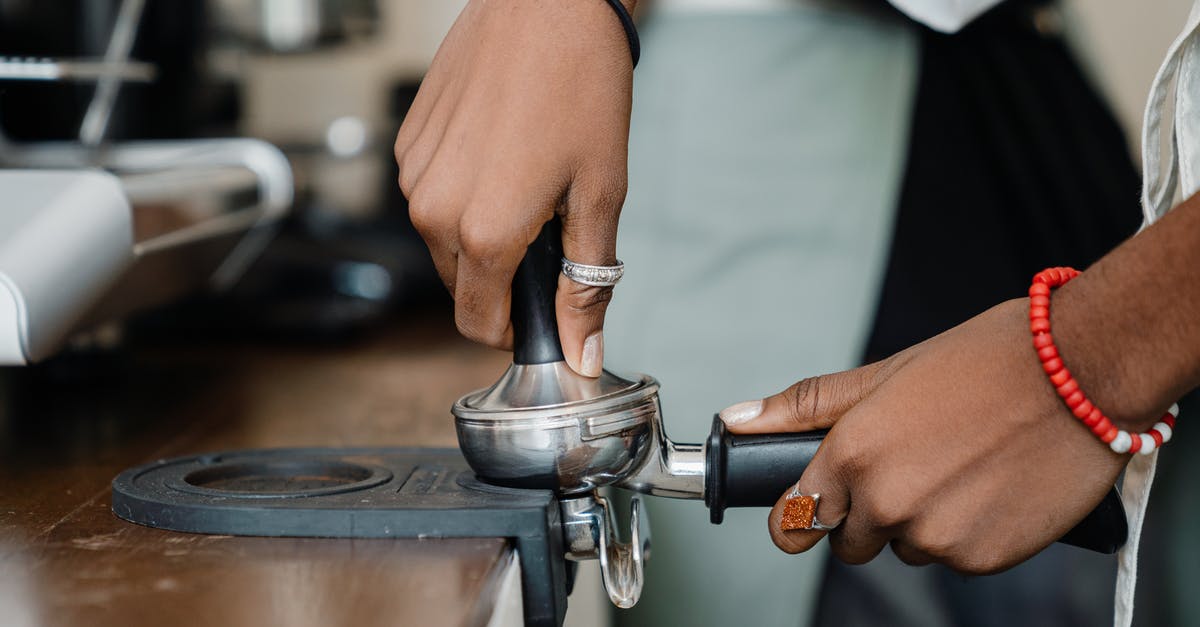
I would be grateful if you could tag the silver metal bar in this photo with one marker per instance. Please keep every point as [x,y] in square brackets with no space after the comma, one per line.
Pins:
[267,163]
[46,69]
[95,121]
[674,470]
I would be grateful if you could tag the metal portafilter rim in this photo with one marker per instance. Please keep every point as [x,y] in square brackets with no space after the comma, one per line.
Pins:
[472,408]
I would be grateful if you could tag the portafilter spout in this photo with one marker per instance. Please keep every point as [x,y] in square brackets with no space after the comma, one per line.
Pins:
[544,426]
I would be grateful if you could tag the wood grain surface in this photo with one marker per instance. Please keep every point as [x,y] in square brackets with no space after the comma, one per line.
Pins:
[66,429]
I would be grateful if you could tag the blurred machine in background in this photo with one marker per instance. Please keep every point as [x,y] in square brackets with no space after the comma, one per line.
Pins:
[299,231]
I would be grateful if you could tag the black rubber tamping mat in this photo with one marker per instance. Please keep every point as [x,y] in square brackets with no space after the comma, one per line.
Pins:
[353,493]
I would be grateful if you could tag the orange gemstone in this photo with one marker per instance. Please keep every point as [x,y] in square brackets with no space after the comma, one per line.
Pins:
[799,513]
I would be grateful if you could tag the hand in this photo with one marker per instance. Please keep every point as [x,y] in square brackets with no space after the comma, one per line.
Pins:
[524,113]
[956,451]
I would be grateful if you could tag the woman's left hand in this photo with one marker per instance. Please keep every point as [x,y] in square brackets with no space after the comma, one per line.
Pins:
[956,451]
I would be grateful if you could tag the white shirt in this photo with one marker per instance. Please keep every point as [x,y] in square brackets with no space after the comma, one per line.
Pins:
[943,15]
[1172,119]
[946,16]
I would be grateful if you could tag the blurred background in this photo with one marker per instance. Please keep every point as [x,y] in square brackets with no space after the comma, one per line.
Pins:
[327,82]
[217,176]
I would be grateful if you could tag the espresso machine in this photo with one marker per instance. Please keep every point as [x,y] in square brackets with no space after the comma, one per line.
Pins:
[536,449]
[99,227]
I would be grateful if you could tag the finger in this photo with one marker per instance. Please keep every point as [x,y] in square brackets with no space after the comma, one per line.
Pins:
[589,236]
[415,119]
[482,302]
[418,144]
[432,211]
[415,124]
[439,239]
[813,403]
[860,537]
[831,507]
[487,261]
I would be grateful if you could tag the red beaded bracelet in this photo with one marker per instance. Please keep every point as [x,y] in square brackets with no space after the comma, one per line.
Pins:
[1064,383]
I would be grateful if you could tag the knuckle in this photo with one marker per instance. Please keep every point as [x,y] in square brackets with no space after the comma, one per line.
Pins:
[964,555]
[610,197]
[875,374]
[403,141]
[886,514]
[847,455]
[423,212]
[802,401]
[481,238]
[400,146]
[864,382]
[935,543]
[978,563]
[606,192]
[408,173]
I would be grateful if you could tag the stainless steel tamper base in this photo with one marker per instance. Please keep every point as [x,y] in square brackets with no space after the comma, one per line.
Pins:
[545,426]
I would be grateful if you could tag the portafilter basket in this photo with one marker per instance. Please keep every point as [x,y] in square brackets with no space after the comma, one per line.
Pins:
[544,426]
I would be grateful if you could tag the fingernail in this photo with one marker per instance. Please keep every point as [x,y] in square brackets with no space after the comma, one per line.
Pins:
[592,361]
[742,412]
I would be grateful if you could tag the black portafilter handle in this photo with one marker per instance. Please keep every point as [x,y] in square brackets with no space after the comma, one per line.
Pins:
[754,470]
[535,327]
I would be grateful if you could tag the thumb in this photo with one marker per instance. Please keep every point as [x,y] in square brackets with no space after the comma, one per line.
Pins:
[811,404]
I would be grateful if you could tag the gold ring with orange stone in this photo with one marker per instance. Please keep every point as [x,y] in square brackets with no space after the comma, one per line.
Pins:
[800,512]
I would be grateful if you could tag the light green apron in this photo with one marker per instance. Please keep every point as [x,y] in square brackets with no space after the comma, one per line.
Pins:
[765,161]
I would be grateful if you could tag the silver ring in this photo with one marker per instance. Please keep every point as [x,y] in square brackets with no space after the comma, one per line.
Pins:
[819,526]
[595,276]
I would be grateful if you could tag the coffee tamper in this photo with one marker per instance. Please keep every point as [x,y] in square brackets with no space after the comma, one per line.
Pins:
[544,426]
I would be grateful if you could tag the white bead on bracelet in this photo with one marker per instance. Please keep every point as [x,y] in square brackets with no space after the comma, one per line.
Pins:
[1124,440]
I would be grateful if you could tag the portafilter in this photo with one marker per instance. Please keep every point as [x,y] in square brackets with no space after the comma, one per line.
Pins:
[544,426]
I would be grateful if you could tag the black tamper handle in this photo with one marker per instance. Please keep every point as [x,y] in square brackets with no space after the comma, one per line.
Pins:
[754,470]
[535,327]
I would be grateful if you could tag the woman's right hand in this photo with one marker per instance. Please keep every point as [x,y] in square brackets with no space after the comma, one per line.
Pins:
[524,114]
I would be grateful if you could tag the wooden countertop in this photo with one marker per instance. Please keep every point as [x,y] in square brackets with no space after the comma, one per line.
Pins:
[67,430]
